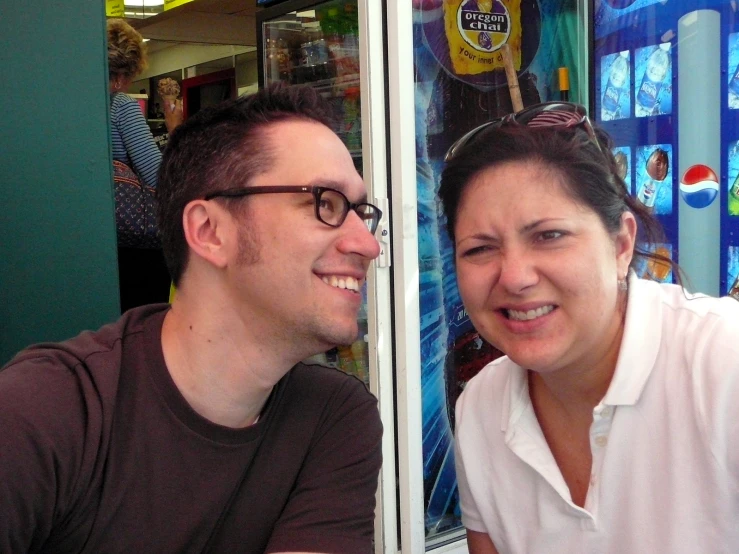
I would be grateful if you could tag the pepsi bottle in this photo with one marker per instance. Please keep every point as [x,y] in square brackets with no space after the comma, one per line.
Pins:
[657,66]
[648,194]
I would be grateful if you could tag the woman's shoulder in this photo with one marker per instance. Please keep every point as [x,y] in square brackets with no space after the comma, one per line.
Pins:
[686,312]
[120,98]
[122,103]
[489,385]
[701,328]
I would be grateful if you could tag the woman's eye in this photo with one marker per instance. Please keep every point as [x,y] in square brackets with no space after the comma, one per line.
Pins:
[550,235]
[477,250]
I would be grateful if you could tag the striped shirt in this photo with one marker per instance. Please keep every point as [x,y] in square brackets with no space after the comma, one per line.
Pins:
[133,143]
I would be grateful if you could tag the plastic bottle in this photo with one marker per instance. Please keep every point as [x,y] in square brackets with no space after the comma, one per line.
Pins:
[346,360]
[651,85]
[271,66]
[332,33]
[277,64]
[352,120]
[361,363]
[350,40]
[734,89]
[648,193]
[734,289]
[618,79]
[733,203]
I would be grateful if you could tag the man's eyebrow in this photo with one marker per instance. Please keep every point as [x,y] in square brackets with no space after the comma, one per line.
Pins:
[336,185]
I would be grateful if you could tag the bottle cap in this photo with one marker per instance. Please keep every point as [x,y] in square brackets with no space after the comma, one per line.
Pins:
[564,78]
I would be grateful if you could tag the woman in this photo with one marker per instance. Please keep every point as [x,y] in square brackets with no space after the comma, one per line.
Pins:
[142,273]
[608,426]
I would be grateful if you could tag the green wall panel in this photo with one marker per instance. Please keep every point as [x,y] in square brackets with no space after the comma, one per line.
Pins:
[58,265]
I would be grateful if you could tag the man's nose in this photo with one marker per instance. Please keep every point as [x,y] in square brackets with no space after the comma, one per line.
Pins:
[358,238]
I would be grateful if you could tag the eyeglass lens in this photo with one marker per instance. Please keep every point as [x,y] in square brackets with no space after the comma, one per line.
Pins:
[333,207]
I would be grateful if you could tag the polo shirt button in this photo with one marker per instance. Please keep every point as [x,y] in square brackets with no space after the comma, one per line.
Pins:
[601,440]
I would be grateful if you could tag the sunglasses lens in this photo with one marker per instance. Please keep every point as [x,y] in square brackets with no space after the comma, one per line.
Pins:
[549,114]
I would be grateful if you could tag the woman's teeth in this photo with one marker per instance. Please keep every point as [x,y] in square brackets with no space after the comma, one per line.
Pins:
[531,314]
[349,283]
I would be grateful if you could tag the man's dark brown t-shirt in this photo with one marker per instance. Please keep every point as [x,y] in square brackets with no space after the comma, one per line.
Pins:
[99,452]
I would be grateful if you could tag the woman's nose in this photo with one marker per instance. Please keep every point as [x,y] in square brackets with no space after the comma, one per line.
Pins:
[517,271]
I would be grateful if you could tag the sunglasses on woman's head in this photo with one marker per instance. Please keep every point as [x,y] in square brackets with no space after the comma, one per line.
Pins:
[549,114]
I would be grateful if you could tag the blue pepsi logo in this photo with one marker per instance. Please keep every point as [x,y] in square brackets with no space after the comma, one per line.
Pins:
[699,186]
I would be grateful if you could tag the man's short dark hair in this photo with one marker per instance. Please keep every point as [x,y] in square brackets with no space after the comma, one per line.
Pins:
[223,147]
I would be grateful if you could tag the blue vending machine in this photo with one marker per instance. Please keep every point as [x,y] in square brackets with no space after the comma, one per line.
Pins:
[666,87]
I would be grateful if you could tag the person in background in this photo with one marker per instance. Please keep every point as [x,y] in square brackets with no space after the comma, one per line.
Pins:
[194,427]
[142,272]
[611,424]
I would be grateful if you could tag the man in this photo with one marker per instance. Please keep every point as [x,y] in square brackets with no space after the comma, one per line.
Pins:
[194,428]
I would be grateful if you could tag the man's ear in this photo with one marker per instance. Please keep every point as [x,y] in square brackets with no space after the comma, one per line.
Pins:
[205,225]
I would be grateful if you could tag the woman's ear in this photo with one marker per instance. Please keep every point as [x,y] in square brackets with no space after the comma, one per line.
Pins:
[625,241]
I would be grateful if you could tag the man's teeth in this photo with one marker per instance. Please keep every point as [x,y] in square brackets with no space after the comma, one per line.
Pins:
[342,282]
[531,314]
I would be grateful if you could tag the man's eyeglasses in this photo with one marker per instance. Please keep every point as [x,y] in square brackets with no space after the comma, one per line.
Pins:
[331,206]
[548,114]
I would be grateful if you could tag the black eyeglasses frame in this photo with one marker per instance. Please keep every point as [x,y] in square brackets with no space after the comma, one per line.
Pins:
[372,222]
[522,118]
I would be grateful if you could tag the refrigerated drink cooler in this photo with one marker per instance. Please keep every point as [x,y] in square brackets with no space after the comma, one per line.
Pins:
[317,44]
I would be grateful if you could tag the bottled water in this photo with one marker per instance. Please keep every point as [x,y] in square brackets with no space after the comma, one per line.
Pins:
[618,79]
[734,90]
[657,66]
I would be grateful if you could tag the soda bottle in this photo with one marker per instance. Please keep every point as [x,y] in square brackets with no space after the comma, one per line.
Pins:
[332,32]
[352,120]
[618,78]
[734,289]
[733,203]
[648,193]
[659,269]
[734,190]
[277,64]
[361,362]
[734,89]
[346,360]
[657,66]
[350,39]
[272,64]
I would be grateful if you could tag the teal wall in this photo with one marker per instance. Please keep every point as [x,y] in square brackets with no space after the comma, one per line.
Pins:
[58,265]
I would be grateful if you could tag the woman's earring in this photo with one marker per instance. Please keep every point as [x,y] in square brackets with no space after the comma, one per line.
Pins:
[623,286]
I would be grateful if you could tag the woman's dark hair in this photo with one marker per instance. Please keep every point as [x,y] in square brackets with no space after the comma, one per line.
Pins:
[589,171]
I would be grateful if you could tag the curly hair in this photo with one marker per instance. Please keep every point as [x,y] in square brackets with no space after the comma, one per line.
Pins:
[126,50]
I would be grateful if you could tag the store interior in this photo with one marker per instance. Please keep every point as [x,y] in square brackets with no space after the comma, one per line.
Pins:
[208,47]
